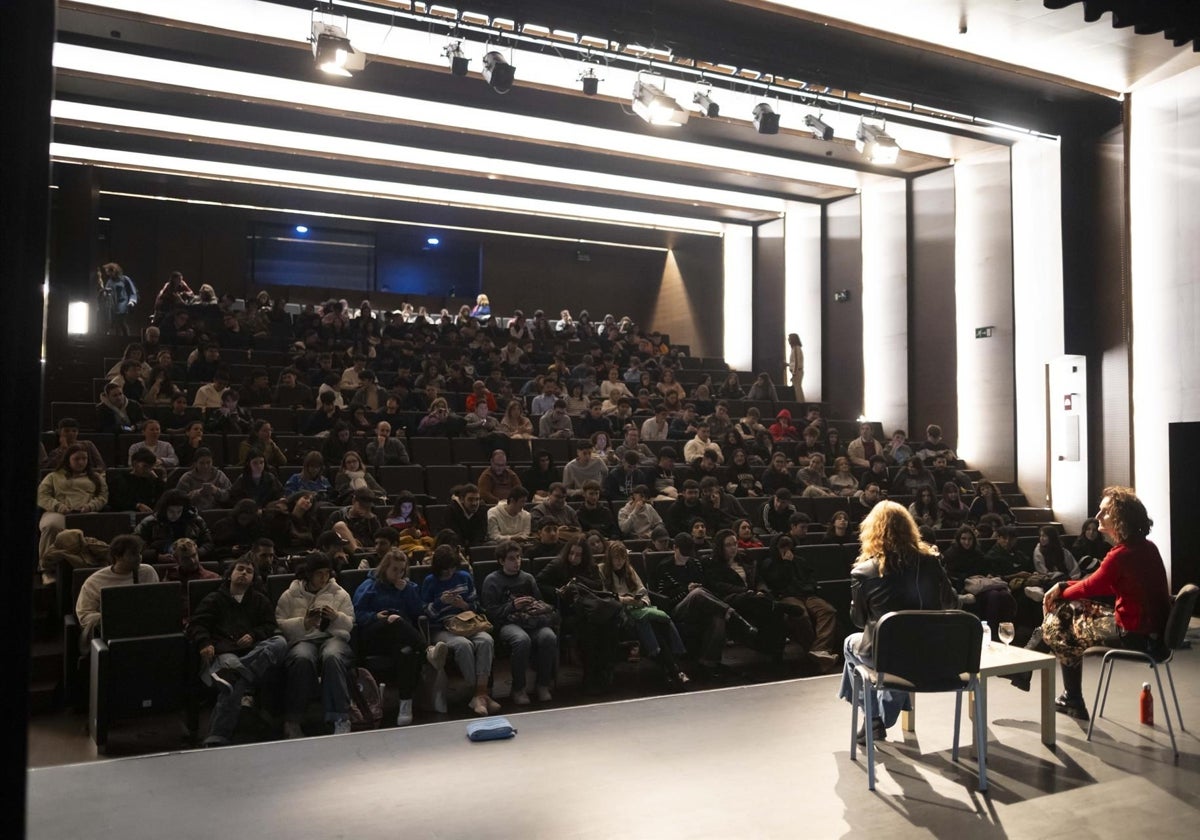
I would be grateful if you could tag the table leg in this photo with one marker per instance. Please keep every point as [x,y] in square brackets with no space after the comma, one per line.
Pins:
[908,718]
[1048,720]
[981,712]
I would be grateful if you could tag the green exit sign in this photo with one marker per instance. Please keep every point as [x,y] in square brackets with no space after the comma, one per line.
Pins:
[983,332]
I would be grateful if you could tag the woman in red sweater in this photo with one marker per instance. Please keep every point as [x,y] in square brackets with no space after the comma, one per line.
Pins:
[1133,572]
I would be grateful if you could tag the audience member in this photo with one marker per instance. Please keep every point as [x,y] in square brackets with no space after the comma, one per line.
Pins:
[68,436]
[140,488]
[446,592]
[524,621]
[125,566]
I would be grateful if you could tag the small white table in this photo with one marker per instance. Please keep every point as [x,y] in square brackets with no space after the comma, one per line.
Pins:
[1000,660]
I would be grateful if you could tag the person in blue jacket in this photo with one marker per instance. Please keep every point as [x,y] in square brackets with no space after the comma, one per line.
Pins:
[387,607]
[447,591]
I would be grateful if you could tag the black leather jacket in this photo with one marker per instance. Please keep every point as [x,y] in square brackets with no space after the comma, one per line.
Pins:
[918,584]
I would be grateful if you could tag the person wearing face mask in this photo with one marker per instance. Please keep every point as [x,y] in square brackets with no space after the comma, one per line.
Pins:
[173,519]
[235,636]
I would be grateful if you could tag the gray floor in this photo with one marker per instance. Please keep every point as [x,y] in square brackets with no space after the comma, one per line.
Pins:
[756,761]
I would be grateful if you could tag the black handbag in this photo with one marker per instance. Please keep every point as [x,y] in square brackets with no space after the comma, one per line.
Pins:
[596,607]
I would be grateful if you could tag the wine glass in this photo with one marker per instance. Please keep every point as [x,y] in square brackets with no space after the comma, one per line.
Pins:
[1006,631]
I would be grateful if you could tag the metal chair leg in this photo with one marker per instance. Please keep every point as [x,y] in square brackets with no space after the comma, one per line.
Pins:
[1174,696]
[1163,699]
[981,736]
[1110,663]
[855,698]
[1105,664]
[957,722]
[869,728]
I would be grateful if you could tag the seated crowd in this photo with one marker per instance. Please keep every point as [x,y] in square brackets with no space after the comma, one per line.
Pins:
[651,466]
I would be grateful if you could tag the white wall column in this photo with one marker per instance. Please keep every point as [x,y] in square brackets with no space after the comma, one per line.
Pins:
[738,302]
[885,302]
[802,291]
[984,298]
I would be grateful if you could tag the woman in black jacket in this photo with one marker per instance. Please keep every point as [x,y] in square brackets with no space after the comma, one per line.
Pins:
[993,602]
[560,582]
[734,577]
[896,570]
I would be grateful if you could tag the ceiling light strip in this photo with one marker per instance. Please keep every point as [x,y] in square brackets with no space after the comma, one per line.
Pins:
[409,157]
[440,115]
[320,214]
[219,170]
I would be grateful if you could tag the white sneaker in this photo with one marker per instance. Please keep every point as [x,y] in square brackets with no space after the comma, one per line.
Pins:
[1035,593]
[521,698]
[439,702]
[404,716]
[341,727]
[543,694]
[291,729]
[436,654]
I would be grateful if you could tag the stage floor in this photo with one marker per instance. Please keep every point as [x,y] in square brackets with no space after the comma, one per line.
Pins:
[757,761]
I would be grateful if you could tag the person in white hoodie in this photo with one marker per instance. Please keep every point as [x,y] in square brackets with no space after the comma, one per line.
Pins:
[315,615]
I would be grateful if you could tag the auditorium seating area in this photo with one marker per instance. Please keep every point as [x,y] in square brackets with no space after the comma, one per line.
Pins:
[438,463]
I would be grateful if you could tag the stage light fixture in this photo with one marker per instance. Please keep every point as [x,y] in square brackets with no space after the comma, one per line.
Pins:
[497,72]
[590,82]
[875,144]
[332,51]
[655,107]
[458,60]
[766,121]
[707,106]
[820,129]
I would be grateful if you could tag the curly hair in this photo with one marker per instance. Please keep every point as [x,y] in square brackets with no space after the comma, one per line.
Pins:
[1129,517]
[889,535]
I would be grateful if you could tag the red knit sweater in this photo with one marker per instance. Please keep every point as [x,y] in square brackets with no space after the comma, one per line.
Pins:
[1132,571]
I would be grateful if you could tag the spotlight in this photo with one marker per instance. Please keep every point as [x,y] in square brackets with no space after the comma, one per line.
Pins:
[458,61]
[497,72]
[875,144]
[655,107]
[590,82]
[332,52]
[820,129]
[301,229]
[433,240]
[707,106]
[766,121]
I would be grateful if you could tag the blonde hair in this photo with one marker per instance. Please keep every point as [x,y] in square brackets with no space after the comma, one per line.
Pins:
[395,555]
[889,535]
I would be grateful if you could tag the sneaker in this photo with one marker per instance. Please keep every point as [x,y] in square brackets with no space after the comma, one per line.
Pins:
[1071,707]
[291,730]
[341,727]
[404,715]
[543,694]
[878,731]
[224,678]
[492,706]
[247,701]
[521,698]
[439,702]
[478,705]
[1035,593]
[436,654]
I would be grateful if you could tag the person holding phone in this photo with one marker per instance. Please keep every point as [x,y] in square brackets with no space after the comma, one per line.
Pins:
[315,616]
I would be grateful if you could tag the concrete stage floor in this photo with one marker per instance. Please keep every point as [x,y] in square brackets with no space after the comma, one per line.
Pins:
[758,761]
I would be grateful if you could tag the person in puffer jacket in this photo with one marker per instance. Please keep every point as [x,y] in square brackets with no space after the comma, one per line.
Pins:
[315,616]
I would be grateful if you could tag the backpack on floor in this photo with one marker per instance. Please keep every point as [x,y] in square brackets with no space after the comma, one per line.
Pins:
[366,700]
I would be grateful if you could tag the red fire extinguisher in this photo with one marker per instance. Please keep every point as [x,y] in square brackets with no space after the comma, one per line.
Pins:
[1146,704]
